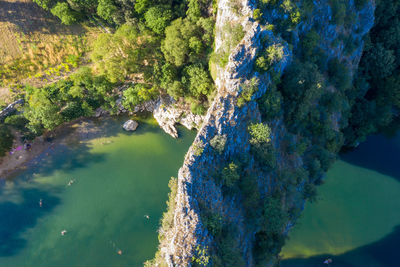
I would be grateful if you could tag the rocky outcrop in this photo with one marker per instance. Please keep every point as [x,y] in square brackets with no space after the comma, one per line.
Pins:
[11,108]
[130,125]
[167,115]
[197,189]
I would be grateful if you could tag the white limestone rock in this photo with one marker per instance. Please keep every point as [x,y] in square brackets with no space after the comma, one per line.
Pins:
[130,125]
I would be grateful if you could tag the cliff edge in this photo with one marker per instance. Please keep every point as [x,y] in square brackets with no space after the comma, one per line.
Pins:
[250,169]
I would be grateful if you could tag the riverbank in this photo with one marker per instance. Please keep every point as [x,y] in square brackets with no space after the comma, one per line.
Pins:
[120,186]
[19,159]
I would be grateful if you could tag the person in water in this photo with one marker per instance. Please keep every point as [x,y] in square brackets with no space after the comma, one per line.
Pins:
[63,232]
[71,182]
[119,252]
[328,261]
[40,203]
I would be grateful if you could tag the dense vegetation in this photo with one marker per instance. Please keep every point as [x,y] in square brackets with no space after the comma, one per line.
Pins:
[323,111]
[376,96]
[165,47]
[157,47]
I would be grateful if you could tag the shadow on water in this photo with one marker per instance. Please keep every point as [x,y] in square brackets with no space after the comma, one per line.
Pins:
[378,153]
[76,152]
[17,218]
[384,252]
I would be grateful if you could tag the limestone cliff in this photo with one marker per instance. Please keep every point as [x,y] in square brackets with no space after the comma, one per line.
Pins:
[199,190]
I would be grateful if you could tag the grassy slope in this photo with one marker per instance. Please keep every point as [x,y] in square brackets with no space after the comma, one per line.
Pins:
[35,47]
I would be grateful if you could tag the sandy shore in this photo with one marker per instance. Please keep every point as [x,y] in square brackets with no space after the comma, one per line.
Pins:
[75,131]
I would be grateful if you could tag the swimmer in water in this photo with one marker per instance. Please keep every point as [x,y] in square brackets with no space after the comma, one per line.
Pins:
[63,232]
[71,182]
[40,203]
[147,216]
[119,251]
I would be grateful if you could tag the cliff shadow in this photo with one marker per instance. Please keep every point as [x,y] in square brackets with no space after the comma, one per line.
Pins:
[384,252]
[378,153]
[17,217]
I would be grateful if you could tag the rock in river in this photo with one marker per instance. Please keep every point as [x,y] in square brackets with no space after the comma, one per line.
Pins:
[130,125]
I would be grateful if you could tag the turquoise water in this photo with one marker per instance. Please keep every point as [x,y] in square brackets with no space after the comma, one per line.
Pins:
[356,220]
[120,179]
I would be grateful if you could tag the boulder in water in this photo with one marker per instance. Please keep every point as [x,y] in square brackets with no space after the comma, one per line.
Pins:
[130,125]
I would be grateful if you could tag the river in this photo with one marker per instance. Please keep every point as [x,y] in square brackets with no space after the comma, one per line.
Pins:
[119,193]
[115,202]
[356,220]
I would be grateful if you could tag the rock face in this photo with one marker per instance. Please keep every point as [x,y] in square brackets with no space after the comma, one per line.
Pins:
[10,109]
[196,187]
[130,125]
[167,115]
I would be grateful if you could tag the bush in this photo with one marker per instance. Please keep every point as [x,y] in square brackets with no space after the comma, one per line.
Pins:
[251,197]
[6,139]
[270,238]
[360,3]
[197,108]
[339,74]
[260,133]
[17,121]
[248,90]
[257,14]
[338,11]
[197,80]
[64,13]
[201,257]
[106,10]
[228,249]
[230,175]
[310,192]
[233,35]
[213,222]
[138,94]
[308,43]
[167,220]
[271,104]
[262,64]
[157,18]
[218,143]
[198,148]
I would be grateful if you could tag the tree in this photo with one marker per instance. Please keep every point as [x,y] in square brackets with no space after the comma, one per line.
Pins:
[230,175]
[45,4]
[122,53]
[64,13]
[381,62]
[106,9]
[157,18]
[6,139]
[176,43]
[41,111]
[138,94]
[197,80]
[260,133]
[261,146]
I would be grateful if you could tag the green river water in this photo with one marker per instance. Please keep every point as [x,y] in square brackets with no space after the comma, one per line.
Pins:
[122,177]
[119,179]
[356,221]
